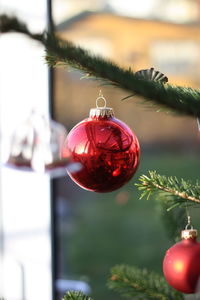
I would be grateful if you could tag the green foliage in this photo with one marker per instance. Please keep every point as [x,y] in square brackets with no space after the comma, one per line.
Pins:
[130,233]
[174,220]
[137,283]
[181,99]
[12,24]
[74,295]
[177,191]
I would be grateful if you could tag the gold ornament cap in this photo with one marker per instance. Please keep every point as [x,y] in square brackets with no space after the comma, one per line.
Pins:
[101,111]
[189,234]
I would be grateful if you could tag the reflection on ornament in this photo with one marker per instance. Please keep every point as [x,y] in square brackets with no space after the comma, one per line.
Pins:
[181,265]
[36,146]
[106,148]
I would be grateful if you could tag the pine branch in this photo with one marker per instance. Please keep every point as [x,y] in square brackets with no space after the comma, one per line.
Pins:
[12,24]
[180,99]
[136,283]
[75,295]
[174,221]
[181,190]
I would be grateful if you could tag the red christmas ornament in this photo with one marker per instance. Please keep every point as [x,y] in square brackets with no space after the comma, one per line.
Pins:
[106,148]
[181,265]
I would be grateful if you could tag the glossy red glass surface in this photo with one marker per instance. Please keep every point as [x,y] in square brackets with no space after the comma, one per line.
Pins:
[181,266]
[108,151]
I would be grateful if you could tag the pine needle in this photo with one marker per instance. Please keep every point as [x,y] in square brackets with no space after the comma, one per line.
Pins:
[138,283]
[75,295]
[183,100]
[180,190]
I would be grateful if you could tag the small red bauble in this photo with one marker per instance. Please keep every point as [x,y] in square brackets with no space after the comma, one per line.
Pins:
[106,148]
[181,265]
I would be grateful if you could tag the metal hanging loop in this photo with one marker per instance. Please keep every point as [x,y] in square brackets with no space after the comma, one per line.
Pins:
[189,226]
[101,97]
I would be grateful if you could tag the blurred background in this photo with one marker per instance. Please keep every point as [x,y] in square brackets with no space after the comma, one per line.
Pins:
[96,231]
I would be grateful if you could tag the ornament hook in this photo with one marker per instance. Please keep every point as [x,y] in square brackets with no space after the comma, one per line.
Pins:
[101,97]
[189,223]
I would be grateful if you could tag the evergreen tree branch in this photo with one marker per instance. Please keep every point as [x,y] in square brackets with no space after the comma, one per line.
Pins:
[12,24]
[174,221]
[75,295]
[180,99]
[138,283]
[180,189]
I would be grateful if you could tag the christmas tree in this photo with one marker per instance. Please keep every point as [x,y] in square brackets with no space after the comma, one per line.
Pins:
[172,192]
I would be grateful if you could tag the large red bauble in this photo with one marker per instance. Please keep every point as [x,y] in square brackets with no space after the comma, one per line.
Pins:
[108,151]
[181,265]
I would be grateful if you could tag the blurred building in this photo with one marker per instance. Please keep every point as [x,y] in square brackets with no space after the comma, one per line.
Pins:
[177,11]
[174,49]
[171,48]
